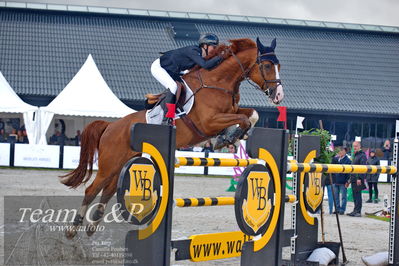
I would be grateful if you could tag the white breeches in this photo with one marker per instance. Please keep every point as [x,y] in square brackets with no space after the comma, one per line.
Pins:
[163,77]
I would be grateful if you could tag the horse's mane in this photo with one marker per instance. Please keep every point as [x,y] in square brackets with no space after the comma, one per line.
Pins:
[236,46]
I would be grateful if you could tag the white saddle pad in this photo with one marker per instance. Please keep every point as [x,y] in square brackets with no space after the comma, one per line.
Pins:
[155,115]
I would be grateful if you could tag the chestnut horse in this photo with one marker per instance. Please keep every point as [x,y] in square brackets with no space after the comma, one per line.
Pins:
[215,109]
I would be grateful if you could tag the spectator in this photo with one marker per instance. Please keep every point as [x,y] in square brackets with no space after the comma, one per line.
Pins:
[357,180]
[25,135]
[22,137]
[1,124]
[13,136]
[372,179]
[387,150]
[61,139]
[197,148]
[340,181]
[232,148]
[54,138]
[329,194]
[57,138]
[77,138]
[3,137]
[186,148]
[208,147]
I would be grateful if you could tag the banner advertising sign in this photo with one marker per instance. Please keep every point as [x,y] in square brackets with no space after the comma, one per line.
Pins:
[27,155]
[4,154]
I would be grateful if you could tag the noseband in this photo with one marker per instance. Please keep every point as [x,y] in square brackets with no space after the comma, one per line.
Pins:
[268,90]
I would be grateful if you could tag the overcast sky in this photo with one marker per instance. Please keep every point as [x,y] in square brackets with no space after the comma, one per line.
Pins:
[377,12]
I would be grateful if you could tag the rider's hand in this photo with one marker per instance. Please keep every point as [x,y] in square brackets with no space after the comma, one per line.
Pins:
[224,54]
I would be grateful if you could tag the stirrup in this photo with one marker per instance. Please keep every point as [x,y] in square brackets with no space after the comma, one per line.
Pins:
[168,121]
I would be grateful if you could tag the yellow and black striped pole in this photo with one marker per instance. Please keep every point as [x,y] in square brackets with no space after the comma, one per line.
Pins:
[340,168]
[215,201]
[292,165]
[196,161]
[206,201]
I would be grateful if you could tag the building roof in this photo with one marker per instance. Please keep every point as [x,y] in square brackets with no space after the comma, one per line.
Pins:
[323,68]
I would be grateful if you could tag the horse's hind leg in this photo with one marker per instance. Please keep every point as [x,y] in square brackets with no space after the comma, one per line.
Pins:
[107,193]
[90,193]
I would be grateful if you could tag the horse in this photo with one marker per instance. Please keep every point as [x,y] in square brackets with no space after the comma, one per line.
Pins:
[215,109]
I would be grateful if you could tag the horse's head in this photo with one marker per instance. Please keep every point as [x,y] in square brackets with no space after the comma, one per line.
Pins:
[266,75]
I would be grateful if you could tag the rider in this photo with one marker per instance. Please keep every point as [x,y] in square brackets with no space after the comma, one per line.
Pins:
[168,67]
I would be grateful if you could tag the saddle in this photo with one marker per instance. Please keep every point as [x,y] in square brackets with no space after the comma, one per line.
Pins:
[153,100]
[184,103]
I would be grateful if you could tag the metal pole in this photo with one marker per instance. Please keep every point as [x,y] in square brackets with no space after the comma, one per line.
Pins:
[338,223]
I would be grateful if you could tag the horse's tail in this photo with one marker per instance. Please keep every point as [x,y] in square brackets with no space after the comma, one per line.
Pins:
[90,140]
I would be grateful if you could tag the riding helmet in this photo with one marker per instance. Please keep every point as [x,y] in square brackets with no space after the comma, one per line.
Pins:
[209,39]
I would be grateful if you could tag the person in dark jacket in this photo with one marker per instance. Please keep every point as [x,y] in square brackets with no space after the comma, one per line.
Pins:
[387,150]
[340,181]
[357,180]
[208,147]
[372,179]
[167,69]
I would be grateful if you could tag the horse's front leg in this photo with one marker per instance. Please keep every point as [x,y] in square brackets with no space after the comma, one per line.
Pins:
[234,132]
[223,121]
[253,117]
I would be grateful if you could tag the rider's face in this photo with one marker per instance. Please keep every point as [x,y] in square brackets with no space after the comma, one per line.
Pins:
[211,48]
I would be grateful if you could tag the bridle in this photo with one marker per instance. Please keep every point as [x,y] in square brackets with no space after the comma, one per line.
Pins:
[268,90]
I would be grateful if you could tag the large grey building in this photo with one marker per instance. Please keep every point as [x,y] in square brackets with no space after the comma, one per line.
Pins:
[346,75]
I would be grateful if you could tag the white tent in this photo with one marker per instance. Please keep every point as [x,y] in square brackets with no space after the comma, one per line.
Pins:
[87,94]
[11,103]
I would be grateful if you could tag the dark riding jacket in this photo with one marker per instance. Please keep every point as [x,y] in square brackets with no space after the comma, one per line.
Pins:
[181,59]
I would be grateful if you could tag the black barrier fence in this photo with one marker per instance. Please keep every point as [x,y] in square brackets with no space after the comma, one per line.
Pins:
[258,204]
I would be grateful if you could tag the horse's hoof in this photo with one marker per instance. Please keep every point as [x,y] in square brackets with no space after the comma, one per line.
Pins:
[70,233]
[220,142]
[90,229]
[220,145]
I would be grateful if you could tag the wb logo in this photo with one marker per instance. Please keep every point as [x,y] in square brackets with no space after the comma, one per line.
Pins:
[257,206]
[142,183]
[141,199]
[314,191]
[258,192]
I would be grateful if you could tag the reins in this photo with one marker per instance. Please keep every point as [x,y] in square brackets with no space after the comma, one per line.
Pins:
[204,86]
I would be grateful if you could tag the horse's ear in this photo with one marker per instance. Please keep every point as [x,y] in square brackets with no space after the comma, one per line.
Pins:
[273,45]
[260,46]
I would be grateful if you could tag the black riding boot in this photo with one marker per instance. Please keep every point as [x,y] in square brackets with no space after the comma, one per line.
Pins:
[169,108]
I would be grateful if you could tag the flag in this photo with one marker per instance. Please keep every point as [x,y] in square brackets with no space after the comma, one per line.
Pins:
[282,115]
[299,120]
